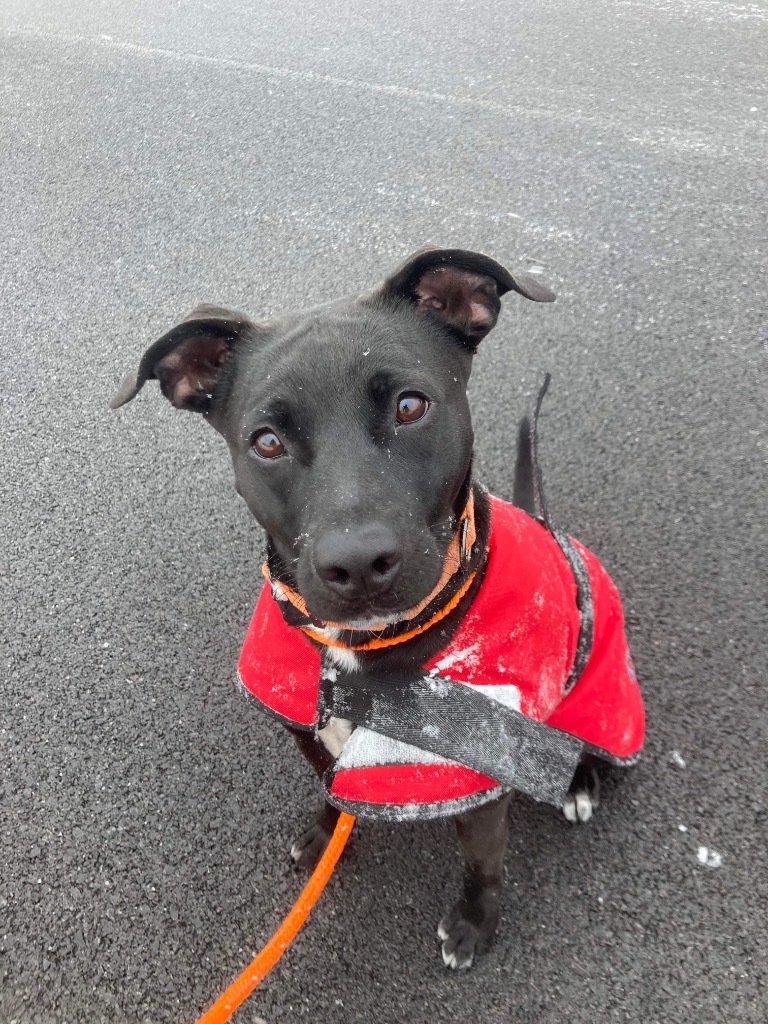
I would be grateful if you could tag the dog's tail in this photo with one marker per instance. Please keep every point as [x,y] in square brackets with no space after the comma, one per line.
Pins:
[523,491]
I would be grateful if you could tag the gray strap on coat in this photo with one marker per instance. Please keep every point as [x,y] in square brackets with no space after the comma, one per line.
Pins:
[463,725]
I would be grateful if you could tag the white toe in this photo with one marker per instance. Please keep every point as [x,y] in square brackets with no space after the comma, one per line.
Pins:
[569,808]
[452,961]
[584,806]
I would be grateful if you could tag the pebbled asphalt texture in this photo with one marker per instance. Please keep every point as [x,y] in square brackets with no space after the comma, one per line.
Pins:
[269,156]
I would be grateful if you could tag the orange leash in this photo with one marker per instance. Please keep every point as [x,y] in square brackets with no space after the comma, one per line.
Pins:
[263,963]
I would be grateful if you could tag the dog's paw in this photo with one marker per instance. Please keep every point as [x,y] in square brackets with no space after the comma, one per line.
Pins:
[583,796]
[578,806]
[308,848]
[462,939]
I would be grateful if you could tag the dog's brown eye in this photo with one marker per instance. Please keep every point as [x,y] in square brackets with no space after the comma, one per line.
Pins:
[411,407]
[268,445]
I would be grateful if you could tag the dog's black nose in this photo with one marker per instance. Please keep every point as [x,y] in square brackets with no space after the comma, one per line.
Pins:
[360,562]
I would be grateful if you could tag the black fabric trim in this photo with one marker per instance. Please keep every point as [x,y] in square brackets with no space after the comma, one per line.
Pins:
[606,755]
[397,813]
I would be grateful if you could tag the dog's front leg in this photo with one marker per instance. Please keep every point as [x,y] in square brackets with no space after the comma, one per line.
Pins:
[308,848]
[468,928]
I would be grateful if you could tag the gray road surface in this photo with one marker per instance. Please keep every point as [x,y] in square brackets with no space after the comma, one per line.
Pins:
[275,154]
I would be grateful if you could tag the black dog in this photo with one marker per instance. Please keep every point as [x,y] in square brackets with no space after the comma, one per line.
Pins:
[350,435]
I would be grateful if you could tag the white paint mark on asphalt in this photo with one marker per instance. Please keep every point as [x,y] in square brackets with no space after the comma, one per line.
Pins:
[702,10]
[656,136]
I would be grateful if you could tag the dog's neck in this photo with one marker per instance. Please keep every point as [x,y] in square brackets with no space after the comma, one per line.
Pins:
[422,630]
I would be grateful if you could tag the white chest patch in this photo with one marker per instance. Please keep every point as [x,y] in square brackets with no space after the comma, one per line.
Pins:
[338,730]
[347,660]
[335,735]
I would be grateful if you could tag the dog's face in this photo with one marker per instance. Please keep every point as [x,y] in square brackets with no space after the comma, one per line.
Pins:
[348,426]
[350,437]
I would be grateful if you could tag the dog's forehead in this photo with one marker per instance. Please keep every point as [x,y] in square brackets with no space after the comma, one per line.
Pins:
[343,349]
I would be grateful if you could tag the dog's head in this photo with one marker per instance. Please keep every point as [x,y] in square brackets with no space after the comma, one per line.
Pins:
[348,426]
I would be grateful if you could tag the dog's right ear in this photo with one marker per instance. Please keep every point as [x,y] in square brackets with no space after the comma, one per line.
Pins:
[187,359]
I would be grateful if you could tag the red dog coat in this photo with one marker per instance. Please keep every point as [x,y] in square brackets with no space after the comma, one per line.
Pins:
[516,644]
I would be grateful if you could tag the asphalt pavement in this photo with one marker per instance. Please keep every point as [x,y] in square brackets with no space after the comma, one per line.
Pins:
[268,156]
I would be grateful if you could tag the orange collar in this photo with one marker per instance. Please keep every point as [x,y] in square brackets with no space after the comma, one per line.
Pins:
[456,557]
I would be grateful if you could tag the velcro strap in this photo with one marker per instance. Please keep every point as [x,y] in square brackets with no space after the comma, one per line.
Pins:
[463,725]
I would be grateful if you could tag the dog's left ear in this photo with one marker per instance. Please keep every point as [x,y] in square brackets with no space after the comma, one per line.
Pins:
[188,358]
[461,288]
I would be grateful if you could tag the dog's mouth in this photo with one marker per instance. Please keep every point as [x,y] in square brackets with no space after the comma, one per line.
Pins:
[361,615]
[358,615]
[368,618]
